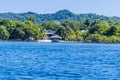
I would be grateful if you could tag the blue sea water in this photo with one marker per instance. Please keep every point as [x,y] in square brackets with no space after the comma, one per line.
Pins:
[59,61]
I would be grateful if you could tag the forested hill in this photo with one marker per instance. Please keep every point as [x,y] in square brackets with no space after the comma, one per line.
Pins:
[61,16]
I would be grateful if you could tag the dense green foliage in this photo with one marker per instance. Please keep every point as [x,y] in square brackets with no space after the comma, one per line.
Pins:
[19,30]
[60,16]
[89,29]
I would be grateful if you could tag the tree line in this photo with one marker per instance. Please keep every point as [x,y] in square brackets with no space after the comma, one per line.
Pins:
[82,31]
[61,16]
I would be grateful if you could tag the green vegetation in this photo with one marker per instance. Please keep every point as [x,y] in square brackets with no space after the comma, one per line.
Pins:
[19,30]
[92,29]
[60,16]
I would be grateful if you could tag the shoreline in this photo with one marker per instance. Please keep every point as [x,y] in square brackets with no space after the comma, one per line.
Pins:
[61,42]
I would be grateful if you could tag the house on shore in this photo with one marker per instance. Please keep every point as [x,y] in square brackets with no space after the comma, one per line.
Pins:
[56,38]
[50,33]
[52,37]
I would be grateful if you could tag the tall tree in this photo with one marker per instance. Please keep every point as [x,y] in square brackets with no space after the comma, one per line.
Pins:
[4,34]
[99,28]
[52,25]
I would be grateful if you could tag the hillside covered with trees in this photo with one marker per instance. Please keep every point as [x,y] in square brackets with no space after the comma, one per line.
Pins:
[92,29]
[60,16]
